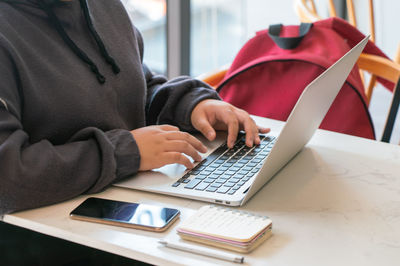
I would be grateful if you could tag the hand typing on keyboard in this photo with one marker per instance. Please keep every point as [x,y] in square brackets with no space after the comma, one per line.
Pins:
[161,145]
[227,170]
[210,115]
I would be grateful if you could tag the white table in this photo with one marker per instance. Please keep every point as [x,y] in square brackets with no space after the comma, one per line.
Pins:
[336,203]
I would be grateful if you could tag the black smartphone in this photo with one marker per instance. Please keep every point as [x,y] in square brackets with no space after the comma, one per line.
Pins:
[127,214]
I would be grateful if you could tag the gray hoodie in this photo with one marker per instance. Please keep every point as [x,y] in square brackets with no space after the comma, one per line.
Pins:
[62,131]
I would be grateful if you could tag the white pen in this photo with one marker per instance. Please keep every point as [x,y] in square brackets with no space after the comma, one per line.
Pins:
[203,251]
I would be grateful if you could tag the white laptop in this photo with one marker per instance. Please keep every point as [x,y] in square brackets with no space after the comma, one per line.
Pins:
[233,176]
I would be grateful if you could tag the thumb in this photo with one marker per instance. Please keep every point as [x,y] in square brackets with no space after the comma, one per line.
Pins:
[204,126]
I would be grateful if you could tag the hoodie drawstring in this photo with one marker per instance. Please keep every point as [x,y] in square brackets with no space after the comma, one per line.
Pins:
[96,36]
[60,29]
[47,8]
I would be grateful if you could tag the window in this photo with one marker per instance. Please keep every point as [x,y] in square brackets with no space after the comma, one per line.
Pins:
[217,33]
[219,28]
[150,18]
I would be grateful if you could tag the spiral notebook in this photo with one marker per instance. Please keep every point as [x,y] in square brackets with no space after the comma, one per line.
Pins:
[226,228]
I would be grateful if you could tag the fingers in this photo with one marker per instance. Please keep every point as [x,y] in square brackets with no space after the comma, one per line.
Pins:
[179,143]
[235,120]
[210,115]
[263,130]
[241,120]
[251,130]
[186,137]
[176,157]
[233,129]
[204,126]
[168,128]
[161,145]
[183,147]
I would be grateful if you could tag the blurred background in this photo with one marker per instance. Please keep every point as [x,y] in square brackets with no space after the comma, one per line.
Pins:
[205,35]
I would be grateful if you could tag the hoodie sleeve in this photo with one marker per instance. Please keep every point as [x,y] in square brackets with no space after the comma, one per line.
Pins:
[172,102]
[41,173]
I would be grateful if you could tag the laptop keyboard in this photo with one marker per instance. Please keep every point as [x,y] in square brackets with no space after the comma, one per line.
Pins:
[227,170]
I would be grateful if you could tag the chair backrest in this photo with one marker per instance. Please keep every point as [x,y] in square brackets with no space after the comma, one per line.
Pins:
[375,65]
[307,12]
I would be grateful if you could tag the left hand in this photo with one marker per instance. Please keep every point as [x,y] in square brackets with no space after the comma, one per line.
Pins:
[210,115]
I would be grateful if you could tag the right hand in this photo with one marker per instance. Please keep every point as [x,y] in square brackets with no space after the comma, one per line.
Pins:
[161,145]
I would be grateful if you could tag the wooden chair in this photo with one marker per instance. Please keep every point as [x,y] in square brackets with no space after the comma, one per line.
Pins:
[213,78]
[307,12]
[375,65]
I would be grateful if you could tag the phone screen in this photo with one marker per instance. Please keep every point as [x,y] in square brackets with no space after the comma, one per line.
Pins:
[125,213]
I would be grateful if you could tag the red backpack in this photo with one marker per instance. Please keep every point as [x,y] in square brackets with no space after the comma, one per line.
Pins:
[272,69]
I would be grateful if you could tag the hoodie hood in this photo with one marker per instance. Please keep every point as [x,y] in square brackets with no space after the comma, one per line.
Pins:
[49,10]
